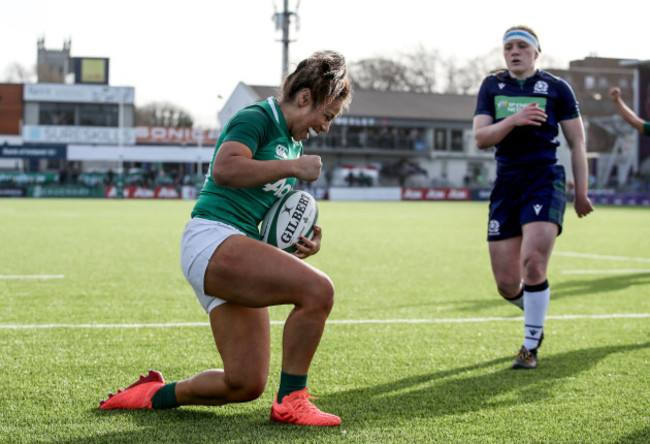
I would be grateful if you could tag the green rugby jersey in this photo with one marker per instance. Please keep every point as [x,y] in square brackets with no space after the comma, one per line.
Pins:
[262,128]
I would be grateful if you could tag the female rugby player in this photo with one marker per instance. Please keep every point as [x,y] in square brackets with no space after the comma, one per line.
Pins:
[235,276]
[519,111]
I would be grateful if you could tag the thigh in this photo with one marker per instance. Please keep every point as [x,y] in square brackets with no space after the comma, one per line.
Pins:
[537,246]
[248,272]
[505,257]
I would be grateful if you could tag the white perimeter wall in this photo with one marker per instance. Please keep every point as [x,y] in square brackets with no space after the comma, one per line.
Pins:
[365,193]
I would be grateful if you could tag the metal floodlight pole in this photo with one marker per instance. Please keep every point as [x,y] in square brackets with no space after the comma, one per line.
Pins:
[286,17]
[282,22]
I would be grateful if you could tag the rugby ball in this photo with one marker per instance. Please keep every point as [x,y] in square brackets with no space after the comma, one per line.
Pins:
[290,217]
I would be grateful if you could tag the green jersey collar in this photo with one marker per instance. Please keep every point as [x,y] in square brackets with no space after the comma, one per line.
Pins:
[279,117]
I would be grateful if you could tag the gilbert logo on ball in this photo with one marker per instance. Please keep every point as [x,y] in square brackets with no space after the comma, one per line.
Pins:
[290,217]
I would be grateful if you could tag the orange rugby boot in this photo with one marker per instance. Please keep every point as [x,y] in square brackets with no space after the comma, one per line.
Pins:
[136,396]
[297,409]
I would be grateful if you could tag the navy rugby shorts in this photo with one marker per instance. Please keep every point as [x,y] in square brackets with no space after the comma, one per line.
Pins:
[533,194]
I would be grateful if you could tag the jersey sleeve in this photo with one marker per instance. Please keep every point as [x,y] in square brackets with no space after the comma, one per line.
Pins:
[484,100]
[567,102]
[247,127]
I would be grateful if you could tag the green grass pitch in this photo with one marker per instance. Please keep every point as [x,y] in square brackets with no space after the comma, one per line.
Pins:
[417,349]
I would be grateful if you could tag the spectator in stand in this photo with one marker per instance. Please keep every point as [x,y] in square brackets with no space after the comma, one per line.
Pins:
[76,171]
[110,178]
[63,175]
[630,116]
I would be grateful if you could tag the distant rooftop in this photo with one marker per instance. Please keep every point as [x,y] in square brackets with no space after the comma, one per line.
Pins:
[399,105]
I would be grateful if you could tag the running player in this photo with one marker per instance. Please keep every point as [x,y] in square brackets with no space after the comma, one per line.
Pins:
[519,111]
[236,276]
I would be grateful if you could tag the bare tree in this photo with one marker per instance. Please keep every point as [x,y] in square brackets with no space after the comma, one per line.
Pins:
[379,74]
[163,114]
[466,77]
[425,71]
[17,73]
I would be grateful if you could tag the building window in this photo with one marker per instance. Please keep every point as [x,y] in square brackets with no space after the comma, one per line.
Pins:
[623,83]
[602,82]
[56,114]
[356,137]
[590,82]
[99,115]
[387,137]
[440,140]
[417,142]
[457,140]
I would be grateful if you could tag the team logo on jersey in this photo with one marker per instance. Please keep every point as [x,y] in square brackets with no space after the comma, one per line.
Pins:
[537,208]
[281,152]
[541,87]
[493,228]
[501,85]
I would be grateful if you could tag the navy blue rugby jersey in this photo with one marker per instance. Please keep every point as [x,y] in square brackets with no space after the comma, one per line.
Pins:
[502,95]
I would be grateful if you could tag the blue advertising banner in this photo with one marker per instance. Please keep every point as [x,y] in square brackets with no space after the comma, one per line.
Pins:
[41,152]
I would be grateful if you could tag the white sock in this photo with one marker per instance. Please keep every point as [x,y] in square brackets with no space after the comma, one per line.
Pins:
[536,299]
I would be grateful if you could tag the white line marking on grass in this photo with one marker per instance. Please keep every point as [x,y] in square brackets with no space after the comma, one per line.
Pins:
[160,325]
[32,276]
[334,321]
[601,256]
[604,271]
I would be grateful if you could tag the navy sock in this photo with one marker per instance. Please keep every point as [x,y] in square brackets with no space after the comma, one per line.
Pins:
[517,300]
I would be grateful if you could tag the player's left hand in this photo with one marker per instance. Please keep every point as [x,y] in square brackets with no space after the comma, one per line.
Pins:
[309,247]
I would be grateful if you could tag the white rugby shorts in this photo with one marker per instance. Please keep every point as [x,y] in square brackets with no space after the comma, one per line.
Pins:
[200,239]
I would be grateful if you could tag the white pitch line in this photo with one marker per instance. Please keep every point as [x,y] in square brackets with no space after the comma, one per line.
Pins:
[601,256]
[334,321]
[32,276]
[604,271]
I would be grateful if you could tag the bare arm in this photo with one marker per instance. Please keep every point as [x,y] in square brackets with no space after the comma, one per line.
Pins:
[487,133]
[625,111]
[235,167]
[574,133]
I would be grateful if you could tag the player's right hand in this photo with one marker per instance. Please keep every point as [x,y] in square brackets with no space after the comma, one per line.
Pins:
[530,115]
[309,167]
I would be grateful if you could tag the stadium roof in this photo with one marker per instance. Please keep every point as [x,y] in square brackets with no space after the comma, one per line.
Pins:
[399,105]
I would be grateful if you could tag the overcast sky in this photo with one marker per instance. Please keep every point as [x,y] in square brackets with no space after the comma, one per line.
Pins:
[193,52]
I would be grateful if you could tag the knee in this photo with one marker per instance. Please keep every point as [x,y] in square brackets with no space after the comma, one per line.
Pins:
[321,295]
[508,288]
[245,389]
[534,269]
